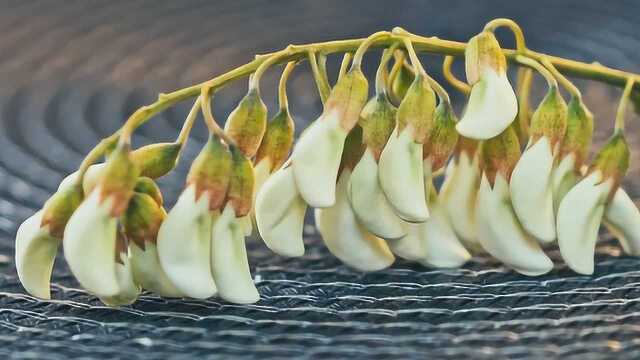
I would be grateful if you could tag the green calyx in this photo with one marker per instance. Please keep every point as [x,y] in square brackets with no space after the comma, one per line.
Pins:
[348,97]
[156,160]
[500,155]
[483,52]
[278,140]
[613,158]
[118,179]
[142,219]
[550,118]
[353,149]
[417,109]
[211,171]
[241,184]
[247,123]
[443,137]
[59,208]
[377,120]
[147,186]
[577,139]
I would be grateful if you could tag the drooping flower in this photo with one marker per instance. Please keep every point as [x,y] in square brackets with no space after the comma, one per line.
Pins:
[531,182]
[344,236]
[401,171]
[316,156]
[582,208]
[622,218]
[492,104]
[184,238]
[247,123]
[499,231]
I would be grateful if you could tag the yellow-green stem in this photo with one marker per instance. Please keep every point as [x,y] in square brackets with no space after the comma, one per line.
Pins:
[568,85]
[344,65]
[323,84]
[282,86]
[492,25]
[188,123]
[622,106]
[551,81]
[458,84]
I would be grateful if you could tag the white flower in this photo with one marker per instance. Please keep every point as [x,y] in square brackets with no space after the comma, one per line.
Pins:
[401,176]
[91,249]
[500,233]
[563,179]
[532,191]
[579,217]
[458,197]
[128,290]
[369,202]
[229,264]
[316,159]
[184,245]
[346,238]
[36,251]
[91,178]
[492,107]
[280,213]
[147,271]
[622,218]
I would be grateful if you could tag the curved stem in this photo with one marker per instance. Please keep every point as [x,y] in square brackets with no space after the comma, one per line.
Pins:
[323,85]
[515,29]
[460,85]
[525,79]
[283,101]
[442,93]
[94,155]
[572,89]
[622,106]
[254,80]
[322,67]
[344,65]
[382,73]
[357,58]
[551,81]
[214,128]
[188,123]
[415,62]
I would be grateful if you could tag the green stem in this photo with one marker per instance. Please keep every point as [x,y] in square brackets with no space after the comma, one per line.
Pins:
[282,86]
[551,80]
[622,106]
[364,46]
[95,153]
[212,124]
[323,84]
[383,72]
[572,89]
[344,65]
[460,85]
[188,123]
[515,29]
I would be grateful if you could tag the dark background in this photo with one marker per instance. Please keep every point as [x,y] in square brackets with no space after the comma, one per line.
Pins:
[71,72]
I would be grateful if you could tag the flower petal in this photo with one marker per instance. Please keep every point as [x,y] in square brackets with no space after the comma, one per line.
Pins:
[623,220]
[90,246]
[128,290]
[579,217]
[90,178]
[500,233]
[563,179]
[184,245]
[491,109]
[346,238]
[531,191]
[458,197]
[411,246]
[401,176]
[280,214]
[147,271]
[229,264]
[36,252]
[316,159]
[369,203]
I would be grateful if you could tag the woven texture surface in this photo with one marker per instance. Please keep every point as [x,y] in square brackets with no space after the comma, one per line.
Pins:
[71,72]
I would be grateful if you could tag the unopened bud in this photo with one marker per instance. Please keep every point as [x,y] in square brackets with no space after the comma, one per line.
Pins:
[378,118]
[277,140]
[500,155]
[118,179]
[241,184]
[483,52]
[156,160]
[577,139]
[443,137]
[417,109]
[59,208]
[550,118]
[143,219]
[247,123]
[147,186]
[348,97]
[210,172]
[613,159]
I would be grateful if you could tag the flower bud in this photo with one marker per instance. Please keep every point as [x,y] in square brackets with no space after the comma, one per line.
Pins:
[417,110]
[241,183]
[378,118]
[483,53]
[500,155]
[147,186]
[156,160]
[142,219]
[442,139]
[549,119]
[613,160]
[210,172]
[277,140]
[59,208]
[117,180]
[577,139]
[348,97]
[247,123]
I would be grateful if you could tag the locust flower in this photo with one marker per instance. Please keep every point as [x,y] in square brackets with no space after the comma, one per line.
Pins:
[622,218]
[492,104]
[184,238]
[532,179]
[316,156]
[582,208]
[499,231]
[247,123]
[343,235]
[400,169]
[94,246]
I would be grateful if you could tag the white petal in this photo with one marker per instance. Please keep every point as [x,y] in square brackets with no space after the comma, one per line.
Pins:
[348,240]
[442,247]
[229,263]
[184,245]
[128,290]
[148,273]
[90,246]
[531,191]
[623,220]
[246,225]
[458,197]
[500,233]
[564,178]
[280,214]
[491,109]
[369,202]
[261,172]
[412,246]
[579,218]
[90,178]
[36,252]
[316,159]
[401,176]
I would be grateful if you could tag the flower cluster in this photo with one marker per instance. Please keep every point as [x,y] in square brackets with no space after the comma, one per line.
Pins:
[514,182]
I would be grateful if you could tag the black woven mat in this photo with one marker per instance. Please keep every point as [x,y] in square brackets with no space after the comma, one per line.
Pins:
[70,72]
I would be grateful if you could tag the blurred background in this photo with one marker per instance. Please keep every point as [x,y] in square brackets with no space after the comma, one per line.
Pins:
[70,74]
